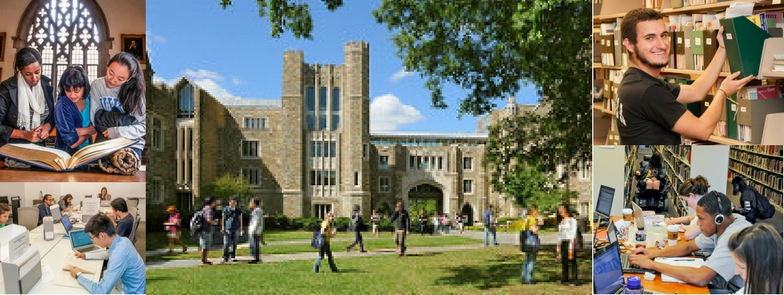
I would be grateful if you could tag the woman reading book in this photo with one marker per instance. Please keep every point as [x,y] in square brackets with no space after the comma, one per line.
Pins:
[72,111]
[117,102]
[26,101]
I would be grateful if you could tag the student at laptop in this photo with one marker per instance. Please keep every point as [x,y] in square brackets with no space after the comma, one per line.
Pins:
[691,191]
[120,212]
[717,224]
[66,203]
[5,211]
[124,262]
[43,208]
[757,252]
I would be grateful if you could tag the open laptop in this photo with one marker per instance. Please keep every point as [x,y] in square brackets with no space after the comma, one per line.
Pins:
[607,272]
[639,220]
[81,242]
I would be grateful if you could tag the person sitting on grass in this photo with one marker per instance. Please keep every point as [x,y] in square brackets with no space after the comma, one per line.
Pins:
[124,261]
[172,227]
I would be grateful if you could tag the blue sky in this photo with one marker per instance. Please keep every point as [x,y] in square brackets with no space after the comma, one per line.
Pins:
[230,54]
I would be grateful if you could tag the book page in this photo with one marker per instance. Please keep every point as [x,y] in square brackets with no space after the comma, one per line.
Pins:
[86,266]
[679,261]
[94,151]
[34,153]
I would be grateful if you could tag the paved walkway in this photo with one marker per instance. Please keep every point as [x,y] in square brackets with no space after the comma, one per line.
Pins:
[502,238]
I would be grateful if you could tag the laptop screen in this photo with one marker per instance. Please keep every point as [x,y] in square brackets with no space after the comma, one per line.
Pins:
[639,220]
[604,201]
[612,233]
[80,238]
[66,224]
[607,271]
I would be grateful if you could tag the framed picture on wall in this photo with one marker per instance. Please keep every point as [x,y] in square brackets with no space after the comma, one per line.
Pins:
[136,45]
[2,46]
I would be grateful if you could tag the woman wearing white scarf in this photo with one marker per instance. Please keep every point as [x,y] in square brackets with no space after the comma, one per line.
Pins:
[26,101]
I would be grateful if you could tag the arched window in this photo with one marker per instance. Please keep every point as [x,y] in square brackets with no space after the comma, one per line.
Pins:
[66,32]
[186,101]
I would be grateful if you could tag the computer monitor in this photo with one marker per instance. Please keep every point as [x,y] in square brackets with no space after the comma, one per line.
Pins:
[605,201]
[607,270]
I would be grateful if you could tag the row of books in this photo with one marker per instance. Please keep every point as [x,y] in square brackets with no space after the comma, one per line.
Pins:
[774,195]
[769,150]
[744,162]
[769,179]
[613,53]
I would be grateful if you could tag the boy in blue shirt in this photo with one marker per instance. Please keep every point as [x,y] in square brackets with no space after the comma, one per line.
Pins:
[231,223]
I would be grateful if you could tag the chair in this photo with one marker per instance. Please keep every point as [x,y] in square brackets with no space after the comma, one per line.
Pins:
[132,237]
[132,210]
[28,217]
[132,203]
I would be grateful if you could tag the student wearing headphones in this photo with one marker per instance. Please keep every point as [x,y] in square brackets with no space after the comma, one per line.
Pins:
[717,224]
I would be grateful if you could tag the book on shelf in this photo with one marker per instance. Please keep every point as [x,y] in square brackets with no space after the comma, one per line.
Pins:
[744,42]
[56,160]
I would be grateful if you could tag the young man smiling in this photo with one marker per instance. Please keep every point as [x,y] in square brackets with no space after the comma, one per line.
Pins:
[717,223]
[651,111]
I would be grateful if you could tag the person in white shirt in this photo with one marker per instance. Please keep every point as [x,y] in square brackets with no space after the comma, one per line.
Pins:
[717,224]
[567,235]
[757,252]
[256,229]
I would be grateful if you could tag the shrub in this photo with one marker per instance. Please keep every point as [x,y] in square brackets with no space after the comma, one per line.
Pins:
[341,223]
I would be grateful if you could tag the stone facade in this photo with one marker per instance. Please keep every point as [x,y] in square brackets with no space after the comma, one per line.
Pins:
[312,151]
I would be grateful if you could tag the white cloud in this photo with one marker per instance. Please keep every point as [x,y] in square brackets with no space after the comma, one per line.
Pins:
[236,81]
[387,113]
[400,75]
[202,74]
[153,41]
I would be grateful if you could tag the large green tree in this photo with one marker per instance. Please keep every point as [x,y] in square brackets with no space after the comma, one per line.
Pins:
[226,186]
[288,15]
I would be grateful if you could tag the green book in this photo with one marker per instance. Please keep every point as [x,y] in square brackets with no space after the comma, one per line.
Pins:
[732,116]
[744,42]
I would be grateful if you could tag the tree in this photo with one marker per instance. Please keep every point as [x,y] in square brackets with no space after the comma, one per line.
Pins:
[225,187]
[288,15]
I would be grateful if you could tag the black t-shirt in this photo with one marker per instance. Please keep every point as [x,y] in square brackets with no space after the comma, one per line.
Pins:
[125,226]
[647,109]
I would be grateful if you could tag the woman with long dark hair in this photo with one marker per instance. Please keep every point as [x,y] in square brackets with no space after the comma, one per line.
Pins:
[26,101]
[117,101]
[757,251]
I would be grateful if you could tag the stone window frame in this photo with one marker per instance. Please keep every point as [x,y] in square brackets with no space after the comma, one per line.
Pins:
[468,189]
[255,155]
[156,189]
[383,164]
[468,163]
[384,188]
[248,177]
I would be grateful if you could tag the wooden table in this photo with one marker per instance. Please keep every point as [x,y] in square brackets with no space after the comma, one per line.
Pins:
[22,175]
[669,288]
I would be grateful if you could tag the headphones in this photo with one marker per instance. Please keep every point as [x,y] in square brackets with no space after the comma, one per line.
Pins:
[719,219]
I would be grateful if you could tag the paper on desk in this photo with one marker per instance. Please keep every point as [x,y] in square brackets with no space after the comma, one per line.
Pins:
[679,261]
[739,9]
[85,266]
[65,279]
[46,273]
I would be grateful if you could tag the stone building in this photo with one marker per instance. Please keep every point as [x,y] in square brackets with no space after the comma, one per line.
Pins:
[312,151]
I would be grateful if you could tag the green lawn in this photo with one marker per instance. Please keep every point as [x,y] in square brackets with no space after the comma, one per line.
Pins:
[158,240]
[486,270]
[384,242]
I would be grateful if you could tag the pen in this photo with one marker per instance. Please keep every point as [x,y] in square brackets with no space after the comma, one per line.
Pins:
[683,260]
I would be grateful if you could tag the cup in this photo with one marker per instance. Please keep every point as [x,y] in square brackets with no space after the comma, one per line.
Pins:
[627,216]
[672,234]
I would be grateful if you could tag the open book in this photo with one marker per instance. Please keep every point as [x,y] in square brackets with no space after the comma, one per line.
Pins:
[57,160]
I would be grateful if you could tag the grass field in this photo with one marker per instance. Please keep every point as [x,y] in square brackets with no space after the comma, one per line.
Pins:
[488,270]
[384,242]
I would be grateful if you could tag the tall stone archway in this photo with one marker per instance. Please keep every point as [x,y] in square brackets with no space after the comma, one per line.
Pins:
[427,197]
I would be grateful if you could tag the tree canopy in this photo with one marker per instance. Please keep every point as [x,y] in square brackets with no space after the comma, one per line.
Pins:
[226,186]
[285,15]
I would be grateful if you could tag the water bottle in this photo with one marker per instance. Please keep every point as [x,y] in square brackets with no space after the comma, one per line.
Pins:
[633,285]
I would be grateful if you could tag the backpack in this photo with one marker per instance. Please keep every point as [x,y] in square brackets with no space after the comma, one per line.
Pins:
[317,240]
[197,222]
[763,207]
[487,217]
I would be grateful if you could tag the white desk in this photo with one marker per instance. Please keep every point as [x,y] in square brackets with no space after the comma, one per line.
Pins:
[54,253]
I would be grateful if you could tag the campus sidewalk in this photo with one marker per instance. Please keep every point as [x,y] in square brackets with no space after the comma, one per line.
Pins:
[502,238]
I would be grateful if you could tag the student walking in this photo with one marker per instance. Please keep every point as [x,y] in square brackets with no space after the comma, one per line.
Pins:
[357,224]
[435,223]
[231,223]
[490,223]
[402,222]
[205,232]
[375,219]
[172,226]
[328,231]
[422,222]
[567,235]
[256,229]
[531,222]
